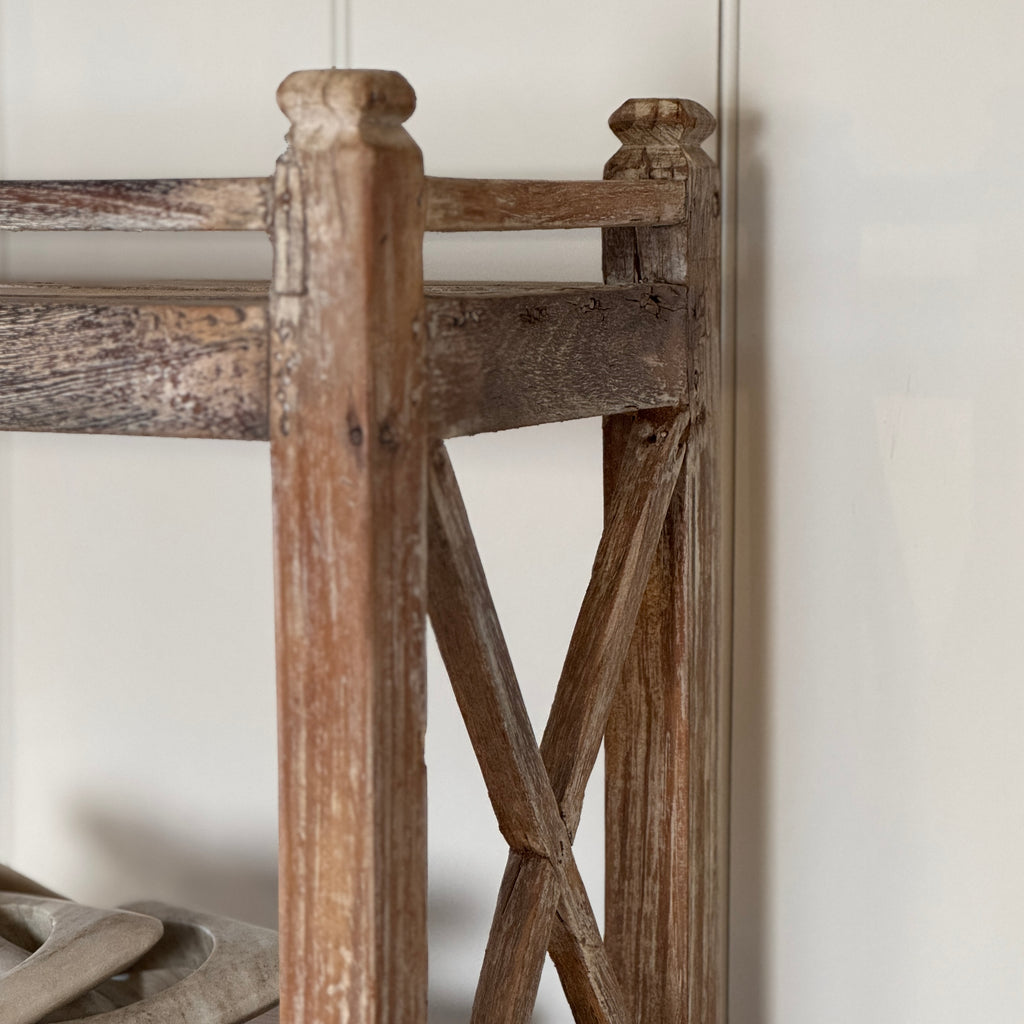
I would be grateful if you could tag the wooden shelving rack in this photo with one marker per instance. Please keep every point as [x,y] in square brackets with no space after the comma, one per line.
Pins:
[355,371]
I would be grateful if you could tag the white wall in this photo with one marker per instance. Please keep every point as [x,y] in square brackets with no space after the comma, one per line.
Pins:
[135,603]
[877,815]
[878,800]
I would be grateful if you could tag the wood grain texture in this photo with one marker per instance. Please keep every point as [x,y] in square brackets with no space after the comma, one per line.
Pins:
[155,204]
[348,456]
[516,358]
[481,204]
[189,359]
[480,669]
[591,671]
[652,454]
[242,204]
[666,744]
[191,368]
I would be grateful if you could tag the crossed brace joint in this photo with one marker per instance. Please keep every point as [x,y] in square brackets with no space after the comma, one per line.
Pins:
[537,792]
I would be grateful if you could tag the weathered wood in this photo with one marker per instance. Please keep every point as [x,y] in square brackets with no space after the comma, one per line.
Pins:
[189,359]
[500,360]
[242,204]
[520,930]
[653,453]
[480,668]
[598,646]
[482,204]
[73,948]
[666,760]
[348,455]
[188,369]
[208,289]
[156,204]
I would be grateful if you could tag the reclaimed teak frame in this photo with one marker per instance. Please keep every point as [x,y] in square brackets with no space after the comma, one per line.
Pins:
[356,371]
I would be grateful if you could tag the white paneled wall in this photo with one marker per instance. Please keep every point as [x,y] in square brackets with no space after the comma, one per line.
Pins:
[136,595]
[877,813]
[878,796]
[135,598]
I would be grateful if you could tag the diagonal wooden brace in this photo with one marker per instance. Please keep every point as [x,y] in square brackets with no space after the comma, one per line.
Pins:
[543,902]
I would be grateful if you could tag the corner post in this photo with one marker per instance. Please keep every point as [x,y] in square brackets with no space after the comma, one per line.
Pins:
[666,798]
[348,457]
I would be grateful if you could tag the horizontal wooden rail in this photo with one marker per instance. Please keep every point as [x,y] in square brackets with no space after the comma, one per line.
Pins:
[135,366]
[242,204]
[190,360]
[545,354]
[156,204]
[480,204]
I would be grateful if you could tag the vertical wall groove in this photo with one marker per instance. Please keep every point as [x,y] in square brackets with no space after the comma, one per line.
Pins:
[727,104]
[6,550]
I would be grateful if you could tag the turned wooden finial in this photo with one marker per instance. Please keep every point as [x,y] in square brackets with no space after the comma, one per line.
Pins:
[661,124]
[324,103]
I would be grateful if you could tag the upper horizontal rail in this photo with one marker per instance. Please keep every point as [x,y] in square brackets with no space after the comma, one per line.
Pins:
[153,204]
[243,204]
[486,204]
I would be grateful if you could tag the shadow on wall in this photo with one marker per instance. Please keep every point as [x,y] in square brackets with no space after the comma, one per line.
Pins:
[749,946]
[129,861]
[132,860]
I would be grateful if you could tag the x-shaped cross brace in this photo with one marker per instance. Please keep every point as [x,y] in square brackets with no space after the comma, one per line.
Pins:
[537,792]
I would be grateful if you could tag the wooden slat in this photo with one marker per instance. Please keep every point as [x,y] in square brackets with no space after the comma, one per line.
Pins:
[516,359]
[189,358]
[481,204]
[241,204]
[520,931]
[480,668]
[648,471]
[667,740]
[598,647]
[189,369]
[349,468]
[155,204]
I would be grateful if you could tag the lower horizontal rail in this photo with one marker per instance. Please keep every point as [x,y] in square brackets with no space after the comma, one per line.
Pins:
[515,359]
[155,204]
[191,360]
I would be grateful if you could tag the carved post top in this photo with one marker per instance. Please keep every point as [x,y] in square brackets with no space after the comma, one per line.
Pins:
[322,105]
[661,124]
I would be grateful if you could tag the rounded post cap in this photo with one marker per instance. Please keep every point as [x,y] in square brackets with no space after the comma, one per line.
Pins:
[662,123]
[315,98]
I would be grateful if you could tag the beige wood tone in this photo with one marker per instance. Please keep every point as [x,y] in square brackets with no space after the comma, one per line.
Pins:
[542,874]
[190,359]
[348,368]
[518,358]
[481,204]
[156,204]
[185,367]
[348,453]
[241,204]
[538,792]
[666,745]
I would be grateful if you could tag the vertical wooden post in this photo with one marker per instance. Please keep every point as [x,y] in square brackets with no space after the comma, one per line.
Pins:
[348,451]
[667,738]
